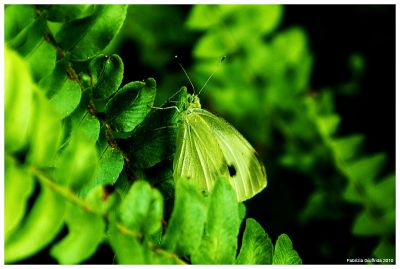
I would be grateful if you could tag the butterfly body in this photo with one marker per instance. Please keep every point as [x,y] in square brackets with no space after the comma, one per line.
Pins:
[208,147]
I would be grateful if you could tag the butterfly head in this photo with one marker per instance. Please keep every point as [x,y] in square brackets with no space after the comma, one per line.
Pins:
[193,101]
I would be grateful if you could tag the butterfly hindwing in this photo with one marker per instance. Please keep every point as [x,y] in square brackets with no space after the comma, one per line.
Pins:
[247,173]
[198,156]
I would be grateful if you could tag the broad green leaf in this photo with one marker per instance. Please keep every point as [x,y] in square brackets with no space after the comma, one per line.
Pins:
[63,92]
[328,124]
[154,140]
[186,225]
[30,37]
[85,233]
[78,162]
[251,21]
[127,249]
[41,59]
[83,120]
[366,169]
[18,103]
[128,108]
[374,222]
[256,247]
[45,132]
[16,18]
[111,162]
[212,45]
[142,209]
[219,242]
[65,13]
[284,252]
[203,17]
[86,37]
[39,227]
[383,193]
[18,187]
[102,198]
[106,73]
[347,147]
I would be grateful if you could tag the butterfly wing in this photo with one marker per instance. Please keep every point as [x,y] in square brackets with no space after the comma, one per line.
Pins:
[247,173]
[209,147]
[198,156]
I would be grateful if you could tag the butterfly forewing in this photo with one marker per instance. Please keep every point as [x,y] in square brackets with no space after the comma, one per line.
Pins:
[198,156]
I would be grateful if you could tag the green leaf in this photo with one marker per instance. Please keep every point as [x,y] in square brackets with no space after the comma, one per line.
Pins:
[18,105]
[366,169]
[373,222]
[154,140]
[85,233]
[383,193]
[127,248]
[41,60]
[16,18]
[81,119]
[202,17]
[106,73]
[45,132]
[38,229]
[347,147]
[284,252]
[142,208]
[256,247]
[87,37]
[78,163]
[219,242]
[128,108]
[328,124]
[384,250]
[212,45]
[30,37]
[18,187]
[186,225]
[103,199]
[111,162]
[66,13]
[63,92]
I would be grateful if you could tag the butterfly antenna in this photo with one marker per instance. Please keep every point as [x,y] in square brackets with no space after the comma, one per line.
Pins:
[187,76]
[212,74]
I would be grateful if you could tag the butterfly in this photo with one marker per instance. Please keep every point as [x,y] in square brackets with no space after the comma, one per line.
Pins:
[208,147]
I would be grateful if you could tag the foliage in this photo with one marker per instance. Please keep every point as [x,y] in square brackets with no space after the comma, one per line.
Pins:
[88,156]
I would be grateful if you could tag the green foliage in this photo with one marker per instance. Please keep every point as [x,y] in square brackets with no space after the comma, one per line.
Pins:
[284,252]
[78,149]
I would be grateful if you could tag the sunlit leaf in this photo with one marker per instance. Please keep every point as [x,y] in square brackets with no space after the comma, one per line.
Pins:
[219,242]
[284,252]
[63,92]
[38,229]
[106,75]
[186,225]
[18,186]
[85,232]
[256,247]
[17,101]
[88,36]
[128,108]
[65,13]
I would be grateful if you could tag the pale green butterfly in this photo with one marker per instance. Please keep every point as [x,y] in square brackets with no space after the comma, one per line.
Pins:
[208,147]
